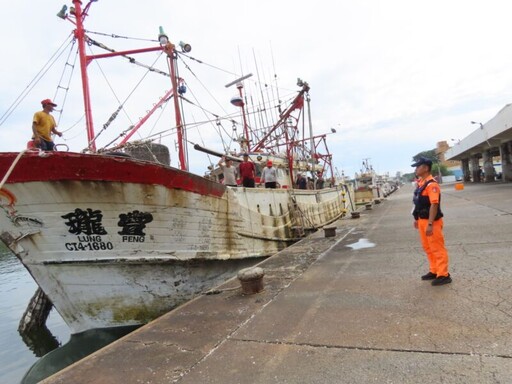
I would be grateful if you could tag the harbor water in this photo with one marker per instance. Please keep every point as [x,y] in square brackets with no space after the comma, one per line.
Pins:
[29,358]
[17,353]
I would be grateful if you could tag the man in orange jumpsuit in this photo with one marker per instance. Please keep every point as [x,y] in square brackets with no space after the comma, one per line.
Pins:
[428,220]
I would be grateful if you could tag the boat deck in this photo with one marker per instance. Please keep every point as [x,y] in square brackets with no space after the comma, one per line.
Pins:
[349,308]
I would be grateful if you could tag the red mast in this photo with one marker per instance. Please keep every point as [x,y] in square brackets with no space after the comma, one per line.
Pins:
[80,36]
[165,46]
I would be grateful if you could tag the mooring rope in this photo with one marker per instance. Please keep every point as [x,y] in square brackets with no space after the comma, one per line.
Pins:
[11,168]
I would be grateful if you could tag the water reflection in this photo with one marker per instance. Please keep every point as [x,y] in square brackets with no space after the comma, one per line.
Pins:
[79,346]
[19,351]
[40,341]
[361,243]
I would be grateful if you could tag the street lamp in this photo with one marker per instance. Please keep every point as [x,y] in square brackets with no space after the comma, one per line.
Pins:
[476,122]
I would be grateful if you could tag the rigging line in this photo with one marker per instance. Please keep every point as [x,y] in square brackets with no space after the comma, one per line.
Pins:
[129,58]
[162,110]
[275,74]
[46,67]
[171,130]
[250,115]
[259,80]
[195,98]
[114,115]
[204,110]
[209,65]
[202,84]
[114,36]
[270,99]
[74,125]
[122,134]
[205,113]
[69,81]
[202,142]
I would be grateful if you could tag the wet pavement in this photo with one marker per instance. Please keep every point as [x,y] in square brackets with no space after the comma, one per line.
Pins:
[345,309]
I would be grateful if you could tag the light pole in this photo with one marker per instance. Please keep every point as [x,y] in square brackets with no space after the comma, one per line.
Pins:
[476,122]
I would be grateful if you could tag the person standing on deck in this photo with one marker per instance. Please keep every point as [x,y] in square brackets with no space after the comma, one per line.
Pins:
[230,172]
[428,220]
[43,125]
[302,183]
[269,176]
[247,172]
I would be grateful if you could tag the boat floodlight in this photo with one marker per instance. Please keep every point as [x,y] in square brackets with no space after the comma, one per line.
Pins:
[62,13]
[162,37]
[185,47]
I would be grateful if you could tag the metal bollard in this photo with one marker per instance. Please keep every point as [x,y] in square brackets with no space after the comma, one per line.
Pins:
[329,231]
[251,280]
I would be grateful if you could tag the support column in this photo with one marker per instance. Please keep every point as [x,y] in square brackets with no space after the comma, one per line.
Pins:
[466,174]
[506,161]
[489,171]
[475,169]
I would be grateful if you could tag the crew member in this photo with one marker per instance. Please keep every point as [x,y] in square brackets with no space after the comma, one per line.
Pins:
[269,176]
[230,172]
[43,125]
[247,172]
[428,220]
[302,182]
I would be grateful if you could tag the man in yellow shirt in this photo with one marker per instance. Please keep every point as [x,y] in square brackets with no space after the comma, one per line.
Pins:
[43,125]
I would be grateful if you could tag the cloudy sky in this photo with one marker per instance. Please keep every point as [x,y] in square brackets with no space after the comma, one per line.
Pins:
[392,77]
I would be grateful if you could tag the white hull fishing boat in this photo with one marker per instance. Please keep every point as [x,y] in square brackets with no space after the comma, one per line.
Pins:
[115,240]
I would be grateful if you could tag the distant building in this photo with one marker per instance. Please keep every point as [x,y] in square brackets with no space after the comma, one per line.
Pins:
[441,148]
[453,166]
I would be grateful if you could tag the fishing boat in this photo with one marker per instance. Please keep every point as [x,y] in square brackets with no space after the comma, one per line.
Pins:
[117,236]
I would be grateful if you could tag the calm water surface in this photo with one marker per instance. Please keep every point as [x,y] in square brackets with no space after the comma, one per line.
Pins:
[16,290]
[27,359]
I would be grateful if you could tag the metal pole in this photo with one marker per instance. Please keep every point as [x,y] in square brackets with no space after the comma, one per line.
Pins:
[240,86]
[169,49]
[80,36]
[312,141]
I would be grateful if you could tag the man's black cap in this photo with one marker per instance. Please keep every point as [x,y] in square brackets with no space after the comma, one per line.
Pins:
[421,161]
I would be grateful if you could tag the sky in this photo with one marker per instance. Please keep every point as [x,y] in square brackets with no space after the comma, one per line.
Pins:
[392,77]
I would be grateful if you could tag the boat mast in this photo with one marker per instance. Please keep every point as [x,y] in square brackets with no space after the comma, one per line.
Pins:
[169,48]
[245,146]
[165,46]
[79,34]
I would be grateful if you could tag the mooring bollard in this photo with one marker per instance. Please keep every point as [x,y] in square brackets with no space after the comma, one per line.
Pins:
[329,231]
[368,206]
[251,280]
[356,215]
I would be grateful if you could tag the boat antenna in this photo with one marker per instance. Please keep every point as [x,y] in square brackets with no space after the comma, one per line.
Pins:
[275,78]
[261,89]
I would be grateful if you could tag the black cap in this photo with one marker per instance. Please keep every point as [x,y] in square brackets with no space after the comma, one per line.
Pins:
[421,161]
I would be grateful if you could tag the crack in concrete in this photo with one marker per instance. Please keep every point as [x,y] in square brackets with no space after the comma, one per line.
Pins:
[350,347]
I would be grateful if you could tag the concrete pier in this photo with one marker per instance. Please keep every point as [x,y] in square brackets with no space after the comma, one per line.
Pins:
[344,309]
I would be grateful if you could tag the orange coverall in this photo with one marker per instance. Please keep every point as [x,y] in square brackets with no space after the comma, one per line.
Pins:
[434,244]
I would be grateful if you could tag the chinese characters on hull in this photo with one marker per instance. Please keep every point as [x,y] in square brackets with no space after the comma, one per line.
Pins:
[87,225]
[133,224]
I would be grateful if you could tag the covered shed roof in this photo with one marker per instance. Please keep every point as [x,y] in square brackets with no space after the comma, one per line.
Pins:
[490,135]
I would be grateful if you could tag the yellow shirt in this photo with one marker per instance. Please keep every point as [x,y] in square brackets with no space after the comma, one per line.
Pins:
[44,124]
